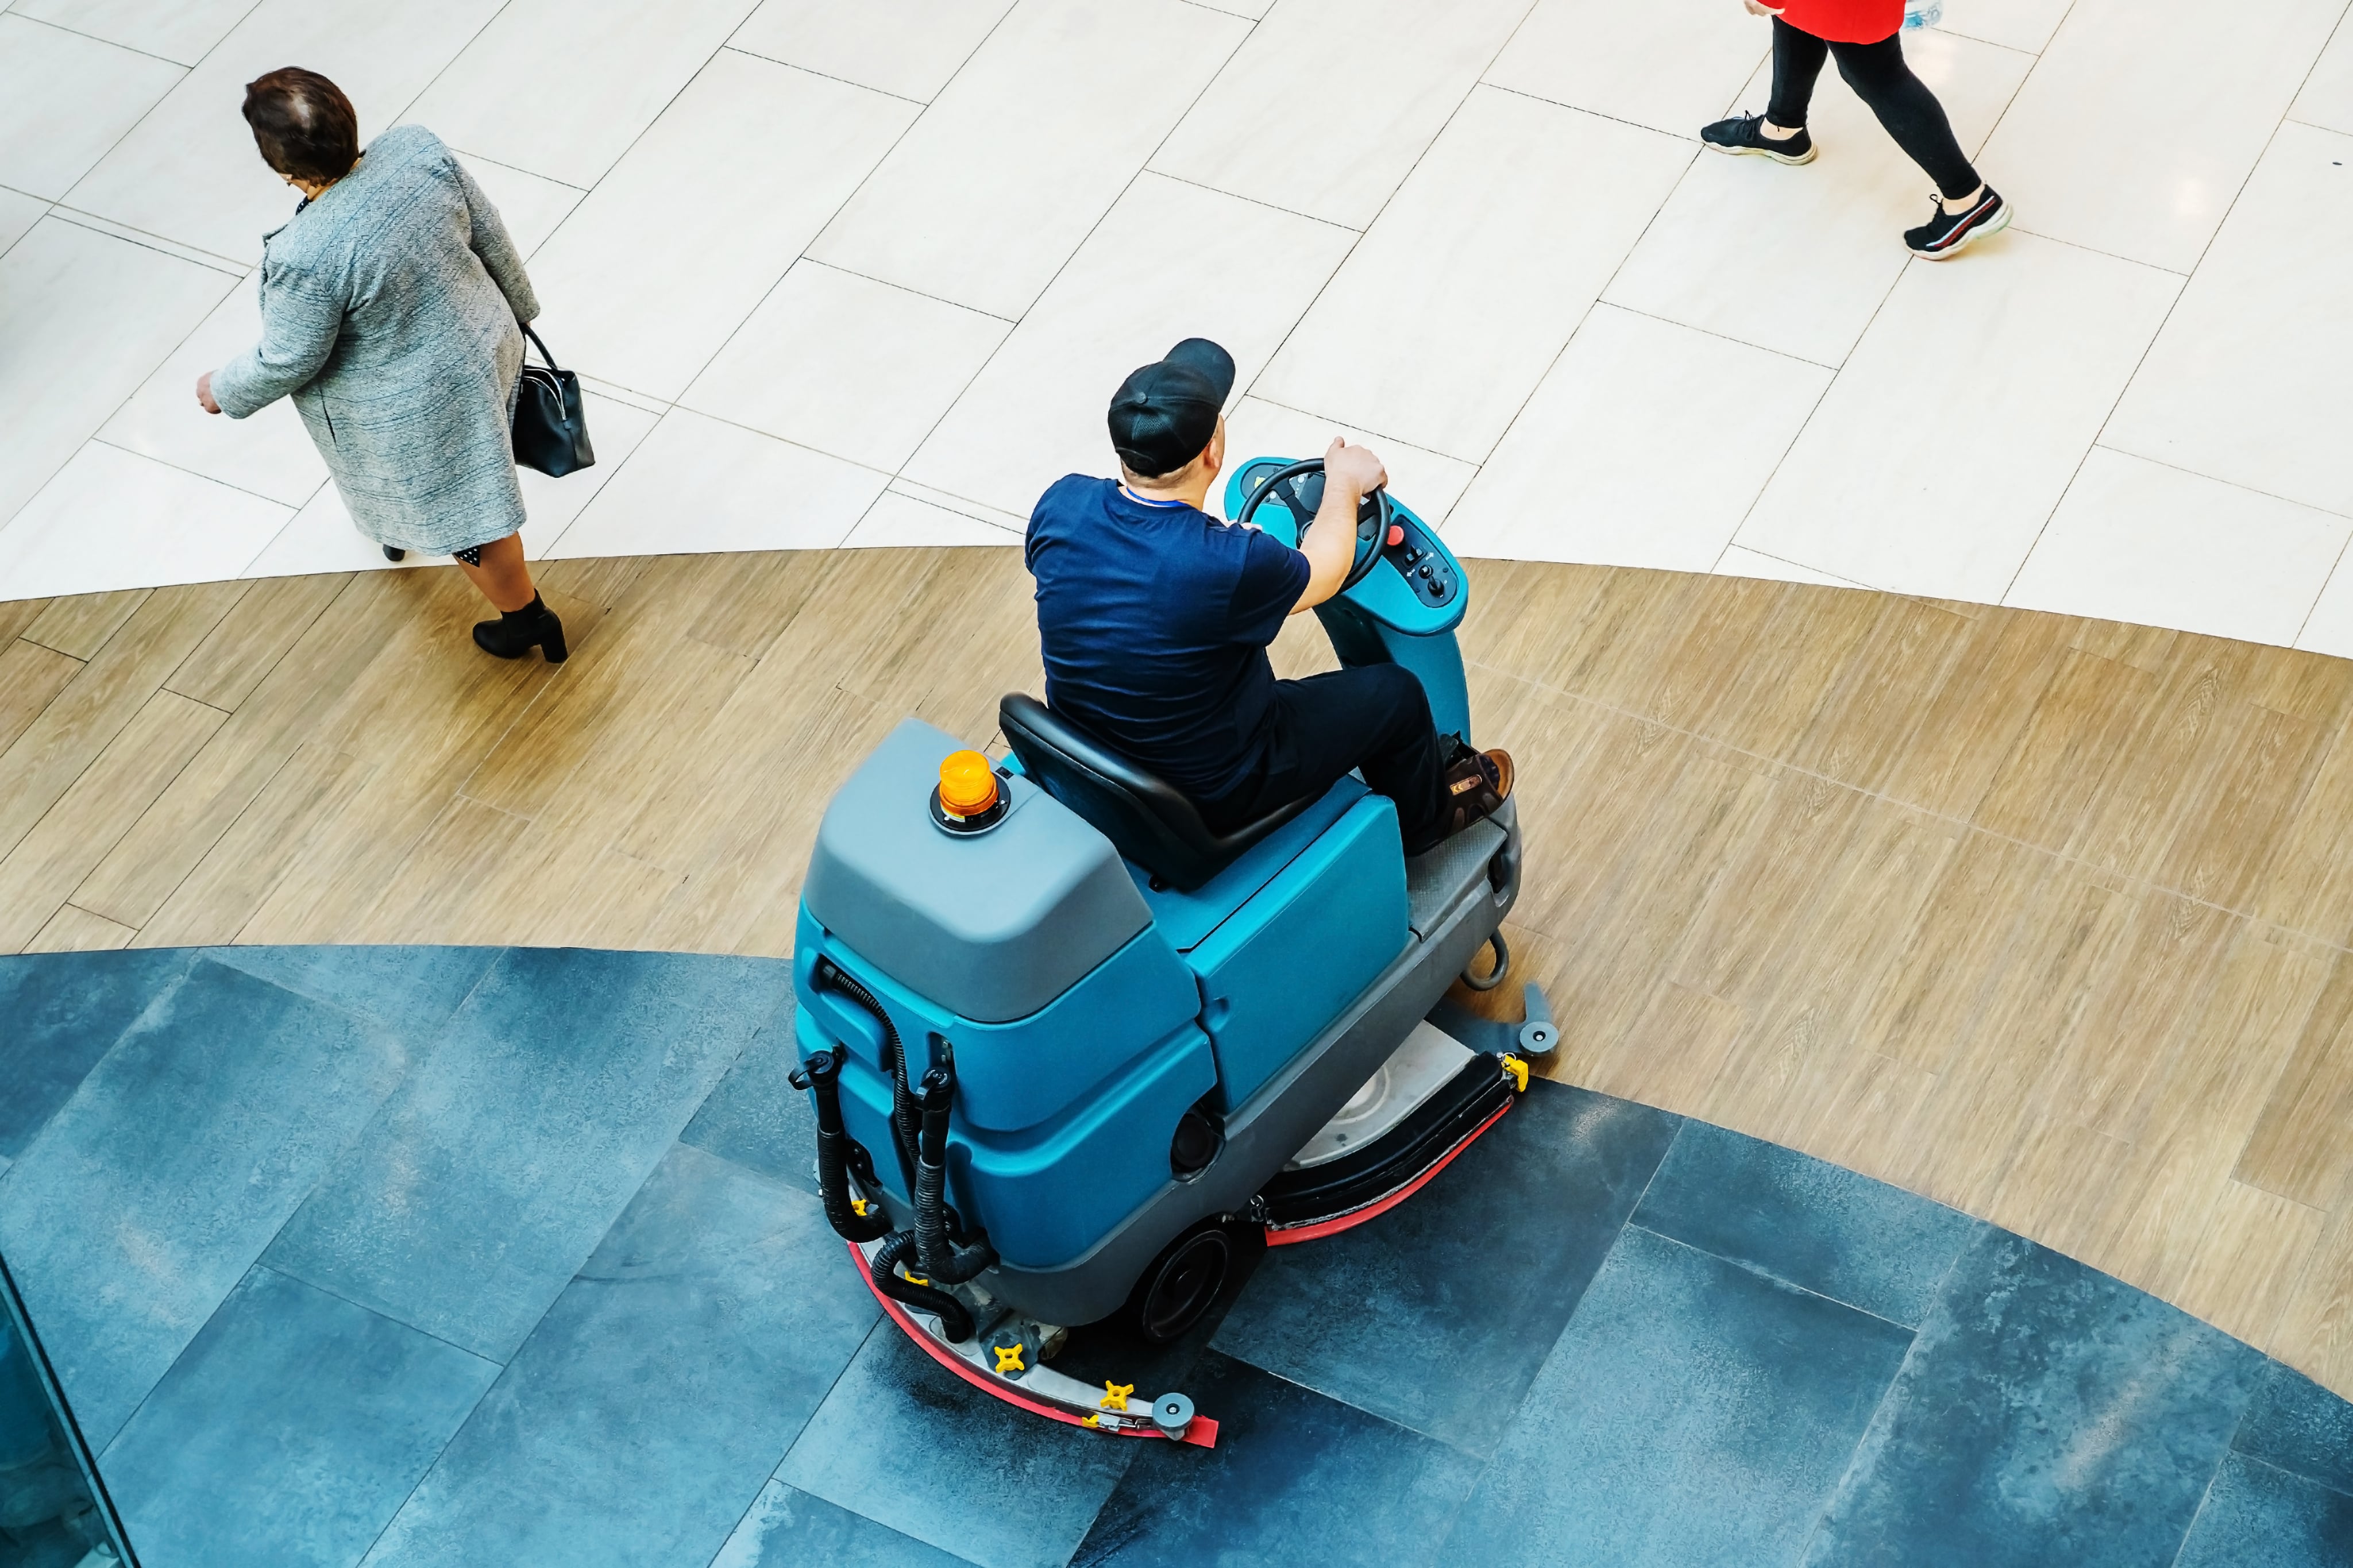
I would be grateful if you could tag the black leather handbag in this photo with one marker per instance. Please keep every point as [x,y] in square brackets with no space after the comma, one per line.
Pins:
[551,432]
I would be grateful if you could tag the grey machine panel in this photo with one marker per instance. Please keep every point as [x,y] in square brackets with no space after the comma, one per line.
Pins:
[993,926]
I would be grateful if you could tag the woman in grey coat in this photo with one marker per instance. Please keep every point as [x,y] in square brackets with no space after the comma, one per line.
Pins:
[389,312]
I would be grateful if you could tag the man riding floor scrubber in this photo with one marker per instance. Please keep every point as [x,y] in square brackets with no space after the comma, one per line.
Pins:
[1068,1044]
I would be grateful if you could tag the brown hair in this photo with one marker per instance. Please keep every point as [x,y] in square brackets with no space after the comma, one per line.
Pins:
[303,125]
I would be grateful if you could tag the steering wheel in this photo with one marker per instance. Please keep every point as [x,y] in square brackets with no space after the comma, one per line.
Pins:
[1299,487]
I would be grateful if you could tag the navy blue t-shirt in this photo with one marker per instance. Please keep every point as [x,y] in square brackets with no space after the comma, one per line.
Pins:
[1154,619]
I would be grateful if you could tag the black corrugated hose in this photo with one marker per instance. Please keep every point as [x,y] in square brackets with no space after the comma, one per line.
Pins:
[956,1322]
[943,1259]
[822,1076]
[831,976]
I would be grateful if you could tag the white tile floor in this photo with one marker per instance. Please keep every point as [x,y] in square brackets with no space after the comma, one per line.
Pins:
[865,274]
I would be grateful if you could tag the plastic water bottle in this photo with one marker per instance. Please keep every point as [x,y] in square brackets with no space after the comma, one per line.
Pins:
[1922,14]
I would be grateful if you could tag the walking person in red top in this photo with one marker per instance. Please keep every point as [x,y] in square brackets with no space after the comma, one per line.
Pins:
[1865,36]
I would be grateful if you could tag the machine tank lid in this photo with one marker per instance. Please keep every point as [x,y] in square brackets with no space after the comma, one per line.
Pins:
[991,927]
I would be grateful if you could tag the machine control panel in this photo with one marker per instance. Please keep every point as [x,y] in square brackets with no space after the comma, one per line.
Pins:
[1429,571]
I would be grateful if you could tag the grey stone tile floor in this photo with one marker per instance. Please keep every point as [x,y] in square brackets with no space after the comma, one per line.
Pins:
[460,1255]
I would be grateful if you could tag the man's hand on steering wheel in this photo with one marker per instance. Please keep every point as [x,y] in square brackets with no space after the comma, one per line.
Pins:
[1350,473]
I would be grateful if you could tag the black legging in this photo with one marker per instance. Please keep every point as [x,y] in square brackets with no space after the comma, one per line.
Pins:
[1881,79]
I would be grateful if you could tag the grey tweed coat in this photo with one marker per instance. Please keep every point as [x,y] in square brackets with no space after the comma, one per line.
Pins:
[389,312]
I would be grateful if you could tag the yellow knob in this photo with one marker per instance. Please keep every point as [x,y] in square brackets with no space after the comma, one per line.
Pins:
[967,785]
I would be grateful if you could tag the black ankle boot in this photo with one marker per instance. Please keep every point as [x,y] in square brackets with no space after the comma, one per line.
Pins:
[516,632]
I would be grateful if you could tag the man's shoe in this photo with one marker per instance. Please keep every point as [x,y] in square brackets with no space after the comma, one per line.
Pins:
[1745,133]
[1476,784]
[1948,234]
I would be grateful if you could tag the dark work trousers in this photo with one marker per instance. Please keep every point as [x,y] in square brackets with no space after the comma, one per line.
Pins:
[1881,79]
[1375,718]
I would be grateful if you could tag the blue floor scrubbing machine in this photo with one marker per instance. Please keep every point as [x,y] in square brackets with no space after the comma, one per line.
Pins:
[1071,1051]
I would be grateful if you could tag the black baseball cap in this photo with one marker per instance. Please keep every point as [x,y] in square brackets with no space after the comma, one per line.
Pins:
[1164,415]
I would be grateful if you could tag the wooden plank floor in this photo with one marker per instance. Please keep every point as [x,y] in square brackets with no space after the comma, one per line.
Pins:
[2044,918]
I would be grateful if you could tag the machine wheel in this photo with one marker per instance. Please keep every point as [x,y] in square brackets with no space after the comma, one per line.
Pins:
[1182,1283]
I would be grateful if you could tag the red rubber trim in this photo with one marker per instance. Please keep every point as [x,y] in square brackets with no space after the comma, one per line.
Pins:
[1318,1229]
[1202,1434]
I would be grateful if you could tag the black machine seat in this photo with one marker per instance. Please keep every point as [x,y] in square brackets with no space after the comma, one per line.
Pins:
[1147,819]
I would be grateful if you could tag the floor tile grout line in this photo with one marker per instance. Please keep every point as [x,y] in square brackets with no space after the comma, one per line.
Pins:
[102,440]
[731,48]
[2049,238]
[1344,1401]
[163,1377]
[2038,56]
[1376,435]
[1241,43]
[1600,295]
[806,259]
[460,53]
[147,239]
[39,218]
[836,217]
[130,129]
[1733,538]
[1935,1298]
[1275,354]
[284,763]
[843,205]
[1847,359]
[881,1325]
[1988,43]
[764,435]
[1486,1462]
[426,1472]
[1676,136]
[115,411]
[803,254]
[603,174]
[2205,1495]
[776,1475]
[2335,566]
[418,1056]
[1722,337]
[2328,512]
[2056,856]
[1760,1271]
[308,1284]
[1237,196]
[579,193]
[253,910]
[186,764]
[225,35]
[2099,437]
[57,27]
[1836,581]
[220,38]
[2234,1451]
[2215,1224]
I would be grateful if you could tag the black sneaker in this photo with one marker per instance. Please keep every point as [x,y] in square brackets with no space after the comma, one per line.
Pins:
[1948,234]
[1745,133]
